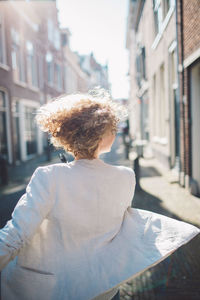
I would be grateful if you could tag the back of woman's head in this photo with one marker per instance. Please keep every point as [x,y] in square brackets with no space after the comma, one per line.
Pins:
[78,122]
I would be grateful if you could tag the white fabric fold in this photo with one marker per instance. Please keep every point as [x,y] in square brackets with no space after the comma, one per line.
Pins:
[74,236]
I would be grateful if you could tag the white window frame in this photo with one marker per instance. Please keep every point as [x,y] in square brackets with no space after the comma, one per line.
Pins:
[58,77]
[22,104]
[15,37]
[49,59]
[40,60]
[3,64]
[165,22]
[32,64]
[57,39]
[8,122]
[50,30]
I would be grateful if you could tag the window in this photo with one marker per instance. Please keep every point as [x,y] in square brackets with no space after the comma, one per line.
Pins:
[17,57]
[57,39]
[50,30]
[3,126]
[162,109]
[138,70]
[143,61]
[65,78]
[16,130]
[41,70]
[31,65]
[30,130]
[173,68]
[154,102]
[140,65]
[166,6]
[50,71]
[157,9]
[58,76]
[2,43]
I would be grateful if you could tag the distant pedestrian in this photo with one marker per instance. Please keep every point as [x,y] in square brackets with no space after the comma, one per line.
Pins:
[73,235]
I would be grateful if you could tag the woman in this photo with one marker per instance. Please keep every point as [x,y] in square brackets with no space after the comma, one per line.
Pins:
[73,234]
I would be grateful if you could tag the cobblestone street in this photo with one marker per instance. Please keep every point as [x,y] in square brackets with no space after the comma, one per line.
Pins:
[178,276]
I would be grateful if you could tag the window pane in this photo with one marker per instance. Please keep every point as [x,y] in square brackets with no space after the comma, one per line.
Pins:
[1,43]
[30,131]
[16,135]
[3,133]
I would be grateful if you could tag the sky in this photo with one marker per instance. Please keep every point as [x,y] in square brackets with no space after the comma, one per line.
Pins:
[99,26]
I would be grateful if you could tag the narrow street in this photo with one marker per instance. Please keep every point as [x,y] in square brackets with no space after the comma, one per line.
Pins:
[178,276]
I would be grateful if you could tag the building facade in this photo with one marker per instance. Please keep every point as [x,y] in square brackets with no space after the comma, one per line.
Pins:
[36,65]
[76,79]
[151,40]
[98,74]
[164,46]
[30,74]
[188,29]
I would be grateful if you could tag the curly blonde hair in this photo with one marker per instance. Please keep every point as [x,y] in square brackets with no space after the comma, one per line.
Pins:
[78,122]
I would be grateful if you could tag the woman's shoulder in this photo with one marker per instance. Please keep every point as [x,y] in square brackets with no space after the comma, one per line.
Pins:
[124,171]
[50,169]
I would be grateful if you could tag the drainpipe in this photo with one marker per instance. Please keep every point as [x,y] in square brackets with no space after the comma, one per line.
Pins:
[180,87]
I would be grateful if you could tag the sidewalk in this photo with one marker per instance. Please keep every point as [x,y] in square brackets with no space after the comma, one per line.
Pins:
[20,175]
[174,199]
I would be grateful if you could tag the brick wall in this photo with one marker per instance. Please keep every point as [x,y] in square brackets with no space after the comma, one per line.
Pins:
[191,25]
[189,41]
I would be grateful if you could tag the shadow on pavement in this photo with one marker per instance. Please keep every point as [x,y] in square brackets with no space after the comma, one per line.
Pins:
[7,205]
[149,172]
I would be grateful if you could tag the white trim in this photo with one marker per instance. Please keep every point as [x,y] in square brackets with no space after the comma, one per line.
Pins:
[190,59]
[4,42]
[8,125]
[163,27]
[21,131]
[172,46]
[22,104]
[33,88]
[160,140]
[34,26]
[27,102]
[5,67]
[20,83]
[180,68]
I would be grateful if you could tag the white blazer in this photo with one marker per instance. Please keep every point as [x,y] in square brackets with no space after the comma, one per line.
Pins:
[74,236]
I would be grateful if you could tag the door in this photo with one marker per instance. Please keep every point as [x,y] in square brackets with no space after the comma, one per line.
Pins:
[195,130]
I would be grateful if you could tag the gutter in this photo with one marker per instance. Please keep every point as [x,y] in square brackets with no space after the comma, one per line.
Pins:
[180,87]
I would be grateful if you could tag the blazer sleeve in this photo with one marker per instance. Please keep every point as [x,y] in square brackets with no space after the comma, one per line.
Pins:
[30,211]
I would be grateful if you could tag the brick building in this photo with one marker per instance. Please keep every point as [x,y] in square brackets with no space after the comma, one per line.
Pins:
[188,29]
[36,65]
[76,79]
[30,73]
